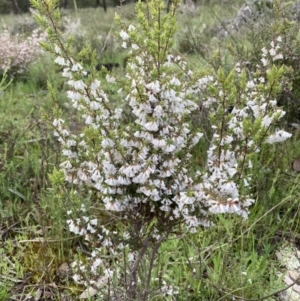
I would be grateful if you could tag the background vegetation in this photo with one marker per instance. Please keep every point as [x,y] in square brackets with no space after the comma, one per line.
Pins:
[23,6]
[231,260]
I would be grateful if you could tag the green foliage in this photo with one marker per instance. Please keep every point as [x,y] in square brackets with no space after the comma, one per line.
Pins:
[6,7]
[281,20]
[38,78]
[25,145]
[18,150]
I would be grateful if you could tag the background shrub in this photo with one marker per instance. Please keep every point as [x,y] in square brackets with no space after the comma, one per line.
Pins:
[17,52]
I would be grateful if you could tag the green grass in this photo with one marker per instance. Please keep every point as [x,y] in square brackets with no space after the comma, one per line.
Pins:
[233,258]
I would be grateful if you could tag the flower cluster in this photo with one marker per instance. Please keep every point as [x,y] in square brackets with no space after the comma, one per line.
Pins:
[16,53]
[244,123]
[147,154]
[273,53]
[144,156]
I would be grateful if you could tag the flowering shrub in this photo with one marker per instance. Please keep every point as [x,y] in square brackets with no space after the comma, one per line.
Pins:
[16,53]
[141,170]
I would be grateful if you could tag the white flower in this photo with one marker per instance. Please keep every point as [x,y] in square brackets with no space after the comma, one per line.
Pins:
[111,181]
[140,60]
[113,206]
[184,199]
[175,81]
[267,120]
[204,80]
[154,87]
[109,168]
[130,171]
[131,27]
[67,73]
[151,126]
[76,67]
[250,165]
[124,45]
[159,143]
[77,278]
[71,142]
[61,61]
[124,35]
[165,208]
[196,138]
[94,105]
[209,101]
[171,163]
[278,56]
[190,73]
[246,184]
[65,133]
[145,190]
[219,208]
[106,142]
[107,242]
[178,141]
[58,122]
[272,52]
[110,79]
[143,176]
[82,176]
[280,113]
[133,83]
[165,173]
[135,47]
[123,181]
[191,221]
[96,175]
[57,50]
[229,188]
[264,62]
[90,228]
[85,218]
[74,95]
[77,84]
[169,148]
[131,256]
[89,119]
[278,136]
[94,222]
[96,263]
[250,84]
[158,112]
[95,84]
[264,51]
[69,153]
[159,183]
[72,227]
[118,113]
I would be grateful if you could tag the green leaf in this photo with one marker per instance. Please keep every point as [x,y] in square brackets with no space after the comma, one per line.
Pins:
[17,193]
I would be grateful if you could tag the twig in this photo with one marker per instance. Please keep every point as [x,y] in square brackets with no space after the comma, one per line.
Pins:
[105,42]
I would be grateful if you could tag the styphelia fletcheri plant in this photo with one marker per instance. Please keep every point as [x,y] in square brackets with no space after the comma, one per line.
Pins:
[141,169]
